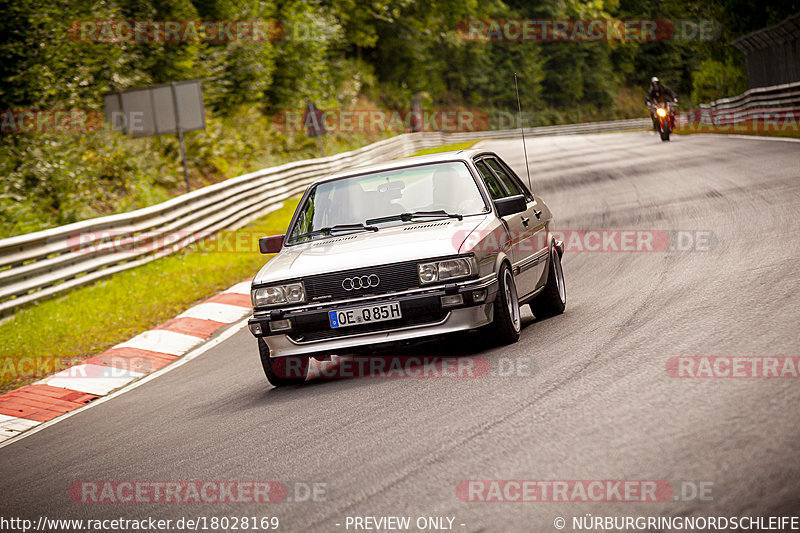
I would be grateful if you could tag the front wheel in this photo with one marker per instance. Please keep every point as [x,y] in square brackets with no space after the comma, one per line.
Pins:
[282,371]
[553,299]
[665,131]
[507,324]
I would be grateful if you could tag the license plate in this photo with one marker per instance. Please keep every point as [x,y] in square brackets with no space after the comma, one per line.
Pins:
[364,315]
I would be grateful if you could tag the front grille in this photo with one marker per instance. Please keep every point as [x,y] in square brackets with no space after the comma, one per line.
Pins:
[393,278]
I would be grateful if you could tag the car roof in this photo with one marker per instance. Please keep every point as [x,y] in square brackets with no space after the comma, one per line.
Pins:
[455,155]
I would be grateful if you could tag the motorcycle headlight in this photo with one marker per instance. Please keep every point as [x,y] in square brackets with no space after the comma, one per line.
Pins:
[448,269]
[661,112]
[289,293]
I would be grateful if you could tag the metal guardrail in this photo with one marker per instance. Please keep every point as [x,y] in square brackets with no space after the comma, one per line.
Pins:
[43,264]
[762,103]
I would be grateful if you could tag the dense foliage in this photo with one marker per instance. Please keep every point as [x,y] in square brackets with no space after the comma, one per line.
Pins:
[340,54]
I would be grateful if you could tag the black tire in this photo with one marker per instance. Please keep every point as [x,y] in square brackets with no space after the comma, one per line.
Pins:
[283,371]
[553,299]
[665,134]
[507,324]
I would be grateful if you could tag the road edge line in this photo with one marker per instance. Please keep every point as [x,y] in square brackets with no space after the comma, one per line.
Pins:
[734,136]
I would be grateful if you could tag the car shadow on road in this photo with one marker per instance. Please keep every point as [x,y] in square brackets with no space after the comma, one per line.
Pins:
[442,357]
[465,355]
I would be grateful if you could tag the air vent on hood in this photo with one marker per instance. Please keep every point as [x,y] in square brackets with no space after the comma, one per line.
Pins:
[430,225]
[326,242]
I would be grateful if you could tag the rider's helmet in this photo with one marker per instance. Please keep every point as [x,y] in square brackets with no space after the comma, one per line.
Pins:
[653,81]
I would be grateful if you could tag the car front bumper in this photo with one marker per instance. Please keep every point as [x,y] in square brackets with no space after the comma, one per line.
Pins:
[423,315]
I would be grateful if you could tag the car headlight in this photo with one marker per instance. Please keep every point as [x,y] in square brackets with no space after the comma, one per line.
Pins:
[289,293]
[448,269]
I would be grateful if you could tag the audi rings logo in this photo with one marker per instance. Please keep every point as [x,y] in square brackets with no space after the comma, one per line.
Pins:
[360,282]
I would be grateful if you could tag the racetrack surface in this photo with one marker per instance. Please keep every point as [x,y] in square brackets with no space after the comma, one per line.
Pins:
[589,396]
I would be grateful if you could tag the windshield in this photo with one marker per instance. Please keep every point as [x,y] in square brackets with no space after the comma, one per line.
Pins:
[445,187]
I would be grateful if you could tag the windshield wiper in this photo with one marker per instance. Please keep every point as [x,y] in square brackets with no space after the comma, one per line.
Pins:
[330,230]
[405,217]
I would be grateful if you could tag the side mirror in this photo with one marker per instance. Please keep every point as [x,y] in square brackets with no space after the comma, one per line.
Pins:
[271,244]
[510,205]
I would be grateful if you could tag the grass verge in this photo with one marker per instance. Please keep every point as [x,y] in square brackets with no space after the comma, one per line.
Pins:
[58,333]
[446,148]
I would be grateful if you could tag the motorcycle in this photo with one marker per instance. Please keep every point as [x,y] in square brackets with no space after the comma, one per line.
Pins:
[665,119]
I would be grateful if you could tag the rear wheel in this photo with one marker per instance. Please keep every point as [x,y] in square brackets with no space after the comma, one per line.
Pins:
[507,324]
[553,299]
[282,371]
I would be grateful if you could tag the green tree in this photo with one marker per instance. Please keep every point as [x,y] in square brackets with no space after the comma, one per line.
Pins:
[715,79]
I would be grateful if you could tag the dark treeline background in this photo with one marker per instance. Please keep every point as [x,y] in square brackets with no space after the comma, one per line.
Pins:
[341,54]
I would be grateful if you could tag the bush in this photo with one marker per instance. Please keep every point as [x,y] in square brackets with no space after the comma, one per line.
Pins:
[715,79]
[55,179]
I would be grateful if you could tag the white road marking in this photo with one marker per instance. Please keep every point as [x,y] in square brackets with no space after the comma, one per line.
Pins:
[241,288]
[91,378]
[216,311]
[750,137]
[11,426]
[164,341]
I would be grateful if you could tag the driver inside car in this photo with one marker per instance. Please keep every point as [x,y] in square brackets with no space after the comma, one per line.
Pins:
[449,196]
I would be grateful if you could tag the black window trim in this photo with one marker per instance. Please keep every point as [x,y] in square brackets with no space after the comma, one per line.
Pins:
[493,174]
[529,196]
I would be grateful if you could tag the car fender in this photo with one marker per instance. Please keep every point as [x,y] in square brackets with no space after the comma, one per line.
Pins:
[555,246]
[490,242]
[499,259]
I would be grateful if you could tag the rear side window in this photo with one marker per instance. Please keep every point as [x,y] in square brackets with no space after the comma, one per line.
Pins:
[495,188]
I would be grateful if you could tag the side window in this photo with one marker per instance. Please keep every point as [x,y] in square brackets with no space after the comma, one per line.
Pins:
[495,189]
[508,181]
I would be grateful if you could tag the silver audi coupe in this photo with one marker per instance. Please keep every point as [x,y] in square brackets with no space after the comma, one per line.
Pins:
[418,247]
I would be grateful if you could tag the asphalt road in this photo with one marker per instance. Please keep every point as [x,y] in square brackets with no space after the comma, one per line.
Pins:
[584,396]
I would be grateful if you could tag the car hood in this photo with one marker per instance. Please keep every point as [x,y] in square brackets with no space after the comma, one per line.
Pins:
[404,242]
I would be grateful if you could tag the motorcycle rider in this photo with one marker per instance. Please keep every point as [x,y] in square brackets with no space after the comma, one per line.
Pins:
[658,93]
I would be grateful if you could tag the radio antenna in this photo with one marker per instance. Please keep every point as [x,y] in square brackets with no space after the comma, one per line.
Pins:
[522,129]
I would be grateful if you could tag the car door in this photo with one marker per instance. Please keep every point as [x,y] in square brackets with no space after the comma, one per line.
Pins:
[528,230]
